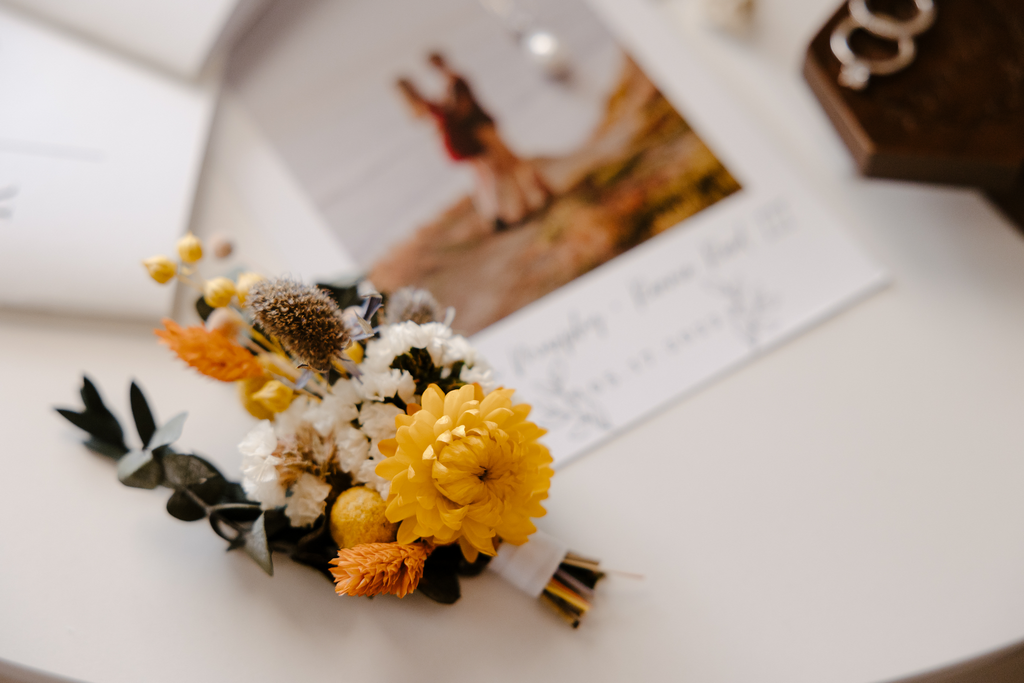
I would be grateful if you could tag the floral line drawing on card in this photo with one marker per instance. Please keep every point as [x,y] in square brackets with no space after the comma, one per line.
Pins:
[750,309]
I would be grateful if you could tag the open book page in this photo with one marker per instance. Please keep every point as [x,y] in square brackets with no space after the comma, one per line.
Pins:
[176,35]
[99,158]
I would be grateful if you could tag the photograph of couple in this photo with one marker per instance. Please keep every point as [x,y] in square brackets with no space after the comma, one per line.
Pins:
[449,159]
[508,189]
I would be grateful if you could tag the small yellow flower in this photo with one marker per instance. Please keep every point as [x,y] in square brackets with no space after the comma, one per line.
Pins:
[218,292]
[244,284]
[190,249]
[466,467]
[161,268]
[274,396]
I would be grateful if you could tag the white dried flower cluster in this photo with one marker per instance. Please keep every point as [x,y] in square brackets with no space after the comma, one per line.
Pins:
[343,431]
[444,346]
[260,480]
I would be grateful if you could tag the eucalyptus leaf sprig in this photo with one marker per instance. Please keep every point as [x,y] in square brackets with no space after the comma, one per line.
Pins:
[200,490]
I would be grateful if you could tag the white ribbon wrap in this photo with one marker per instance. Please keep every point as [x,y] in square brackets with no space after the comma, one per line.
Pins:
[530,566]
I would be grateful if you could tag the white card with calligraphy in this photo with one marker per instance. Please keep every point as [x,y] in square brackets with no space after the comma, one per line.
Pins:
[608,226]
[661,321]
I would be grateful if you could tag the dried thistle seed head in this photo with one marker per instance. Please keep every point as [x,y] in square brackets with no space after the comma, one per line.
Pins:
[412,303]
[303,317]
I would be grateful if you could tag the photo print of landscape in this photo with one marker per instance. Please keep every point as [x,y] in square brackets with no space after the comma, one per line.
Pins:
[490,151]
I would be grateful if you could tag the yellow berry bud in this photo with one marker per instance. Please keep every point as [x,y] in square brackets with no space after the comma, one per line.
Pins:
[357,517]
[161,268]
[246,389]
[218,292]
[190,249]
[245,283]
[355,352]
[274,396]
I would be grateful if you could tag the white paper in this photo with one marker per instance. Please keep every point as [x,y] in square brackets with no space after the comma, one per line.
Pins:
[99,159]
[276,204]
[177,35]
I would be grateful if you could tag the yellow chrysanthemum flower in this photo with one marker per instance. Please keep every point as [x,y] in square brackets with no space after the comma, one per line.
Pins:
[466,468]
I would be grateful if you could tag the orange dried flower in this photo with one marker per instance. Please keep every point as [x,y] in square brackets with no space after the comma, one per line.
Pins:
[374,568]
[212,353]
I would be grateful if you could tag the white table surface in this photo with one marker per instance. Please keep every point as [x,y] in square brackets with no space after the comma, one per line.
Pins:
[846,508]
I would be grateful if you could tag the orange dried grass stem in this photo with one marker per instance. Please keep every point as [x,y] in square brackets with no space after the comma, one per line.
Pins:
[212,353]
[374,568]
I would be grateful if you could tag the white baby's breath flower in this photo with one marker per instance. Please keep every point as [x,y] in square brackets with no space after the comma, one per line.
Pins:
[397,340]
[353,448]
[481,374]
[367,475]
[332,412]
[458,348]
[377,386]
[406,387]
[259,466]
[345,391]
[445,349]
[378,419]
[306,502]
[301,410]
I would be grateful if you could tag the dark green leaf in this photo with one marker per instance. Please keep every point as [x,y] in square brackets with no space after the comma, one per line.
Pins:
[104,448]
[91,396]
[140,469]
[467,568]
[442,588]
[257,548]
[187,470]
[316,548]
[144,422]
[233,493]
[194,473]
[168,433]
[96,419]
[230,519]
[440,580]
[234,521]
[420,365]
[280,532]
[343,295]
[242,525]
[99,426]
[203,309]
[184,507]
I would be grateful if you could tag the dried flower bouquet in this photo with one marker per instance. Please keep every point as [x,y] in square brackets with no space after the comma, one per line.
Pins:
[384,455]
